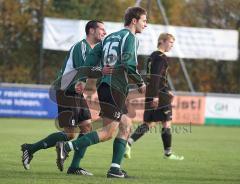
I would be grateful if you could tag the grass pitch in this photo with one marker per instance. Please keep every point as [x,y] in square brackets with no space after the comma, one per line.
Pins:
[212,155]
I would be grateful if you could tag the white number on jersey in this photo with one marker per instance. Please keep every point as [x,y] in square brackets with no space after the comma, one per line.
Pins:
[110,53]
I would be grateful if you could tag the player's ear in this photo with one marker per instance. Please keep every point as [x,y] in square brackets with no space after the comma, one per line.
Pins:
[91,30]
[163,41]
[134,21]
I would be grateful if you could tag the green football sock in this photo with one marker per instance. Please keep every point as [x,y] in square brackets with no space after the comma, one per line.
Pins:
[48,142]
[78,155]
[118,150]
[84,141]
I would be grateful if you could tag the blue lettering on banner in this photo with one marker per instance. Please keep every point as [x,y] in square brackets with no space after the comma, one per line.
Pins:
[26,102]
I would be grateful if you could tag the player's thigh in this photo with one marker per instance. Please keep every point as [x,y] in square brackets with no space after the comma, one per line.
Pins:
[72,111]
[165,99]
[148,116]
[112,102]
[82,115]
[163,114]
[125,123]
[81,110]
[152,124]
[125,126]
[65,104]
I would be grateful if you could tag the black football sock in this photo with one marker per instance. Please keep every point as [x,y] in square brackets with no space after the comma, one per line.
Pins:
[167,140]
[138,133]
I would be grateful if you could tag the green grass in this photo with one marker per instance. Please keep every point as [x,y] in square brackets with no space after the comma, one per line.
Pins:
[212,155]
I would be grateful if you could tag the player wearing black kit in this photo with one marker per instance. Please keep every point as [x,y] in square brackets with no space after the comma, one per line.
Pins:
[158,98]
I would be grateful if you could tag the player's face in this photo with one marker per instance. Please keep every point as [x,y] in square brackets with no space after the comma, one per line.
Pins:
[168,44]
[99,32]
[141,24]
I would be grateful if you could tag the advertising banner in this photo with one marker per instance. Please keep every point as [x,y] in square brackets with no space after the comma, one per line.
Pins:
[188,109]
[34,102]
[196,43]
[222,110]
[26,102]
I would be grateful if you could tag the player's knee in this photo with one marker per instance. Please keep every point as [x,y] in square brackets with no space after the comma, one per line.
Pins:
[108,131]
[125,119]
[125,126]
[166,124]
[85,128]
[70,132]
[151,124]
[107,136]
[126,122]
[70,136]
[124,129]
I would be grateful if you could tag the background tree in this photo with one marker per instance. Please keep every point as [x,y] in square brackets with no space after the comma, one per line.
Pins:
[21,31]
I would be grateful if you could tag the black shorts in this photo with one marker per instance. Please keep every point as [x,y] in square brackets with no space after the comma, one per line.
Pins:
[162,113]
[72,109]
[112,102]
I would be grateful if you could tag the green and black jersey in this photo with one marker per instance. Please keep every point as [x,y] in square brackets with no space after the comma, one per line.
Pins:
[118,50]
[74,60]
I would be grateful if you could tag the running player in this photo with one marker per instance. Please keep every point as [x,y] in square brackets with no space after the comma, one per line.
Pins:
[73,111]
[117,50]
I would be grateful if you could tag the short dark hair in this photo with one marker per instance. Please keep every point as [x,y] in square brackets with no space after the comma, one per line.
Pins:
[133,12]
[92,24]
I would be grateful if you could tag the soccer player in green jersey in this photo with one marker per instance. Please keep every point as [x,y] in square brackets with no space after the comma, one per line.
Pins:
[158,98]
[119,51]
[70,116]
